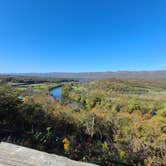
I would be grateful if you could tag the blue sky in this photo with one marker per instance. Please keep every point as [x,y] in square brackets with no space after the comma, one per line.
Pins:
[82,35]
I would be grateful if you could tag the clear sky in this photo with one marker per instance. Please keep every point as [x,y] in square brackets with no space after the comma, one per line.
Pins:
[82,35]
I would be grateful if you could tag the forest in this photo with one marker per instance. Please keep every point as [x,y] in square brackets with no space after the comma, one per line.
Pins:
[110,122]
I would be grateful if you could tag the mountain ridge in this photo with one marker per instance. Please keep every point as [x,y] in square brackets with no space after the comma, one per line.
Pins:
[155,74]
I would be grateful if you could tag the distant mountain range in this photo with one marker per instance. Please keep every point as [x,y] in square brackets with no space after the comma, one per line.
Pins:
[160,74]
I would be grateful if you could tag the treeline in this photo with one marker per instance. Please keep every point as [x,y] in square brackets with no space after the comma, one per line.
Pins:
[31,79]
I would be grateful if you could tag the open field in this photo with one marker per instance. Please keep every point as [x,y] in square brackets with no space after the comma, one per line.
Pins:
[37,87]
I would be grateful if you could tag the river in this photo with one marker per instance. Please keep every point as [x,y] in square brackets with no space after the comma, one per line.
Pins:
[56,93]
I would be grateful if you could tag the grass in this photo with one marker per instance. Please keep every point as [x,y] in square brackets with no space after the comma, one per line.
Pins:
[37,88]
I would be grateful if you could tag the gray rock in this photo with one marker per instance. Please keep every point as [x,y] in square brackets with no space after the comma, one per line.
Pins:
[14,155]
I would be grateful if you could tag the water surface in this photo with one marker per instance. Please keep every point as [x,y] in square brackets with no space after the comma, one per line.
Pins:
[56,93]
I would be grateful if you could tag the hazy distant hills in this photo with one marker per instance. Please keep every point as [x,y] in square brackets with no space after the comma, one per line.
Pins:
[100,75]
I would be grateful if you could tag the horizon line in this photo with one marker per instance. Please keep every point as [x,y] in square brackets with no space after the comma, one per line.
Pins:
[83,71]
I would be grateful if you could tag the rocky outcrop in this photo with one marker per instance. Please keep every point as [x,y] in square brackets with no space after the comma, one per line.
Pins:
[14,155]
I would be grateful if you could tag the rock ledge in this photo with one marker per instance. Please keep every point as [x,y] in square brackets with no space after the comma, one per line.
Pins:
[14,155]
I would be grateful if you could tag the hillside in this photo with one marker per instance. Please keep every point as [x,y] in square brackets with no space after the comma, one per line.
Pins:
[109,122]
